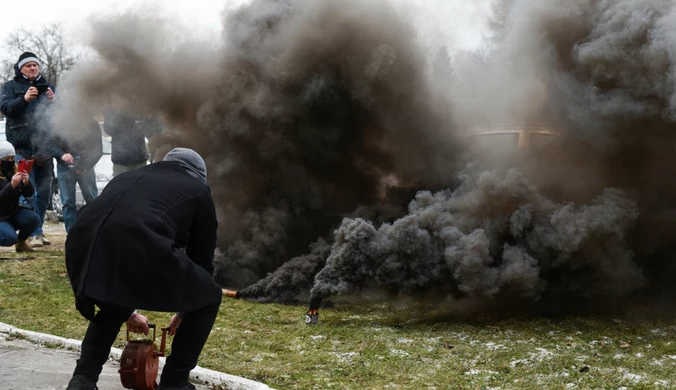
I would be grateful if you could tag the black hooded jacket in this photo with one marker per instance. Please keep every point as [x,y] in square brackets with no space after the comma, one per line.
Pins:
[128,137]
[26,125]
[124,247]
[86,148]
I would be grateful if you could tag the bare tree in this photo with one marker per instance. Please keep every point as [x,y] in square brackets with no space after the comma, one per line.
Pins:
[6,70]
[498,22]
[50,43]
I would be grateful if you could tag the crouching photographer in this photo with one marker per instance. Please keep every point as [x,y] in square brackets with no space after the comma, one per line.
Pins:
[14,217]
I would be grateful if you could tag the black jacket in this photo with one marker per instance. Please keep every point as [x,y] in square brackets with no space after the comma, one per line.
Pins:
[128,137]
[26,125]
[125,246]
[86,148]
[9,196]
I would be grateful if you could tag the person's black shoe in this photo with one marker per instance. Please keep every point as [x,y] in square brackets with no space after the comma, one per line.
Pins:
[81,382]
[187,386]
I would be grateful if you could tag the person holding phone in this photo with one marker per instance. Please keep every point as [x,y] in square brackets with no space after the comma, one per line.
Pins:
[14,184]
[76,156]
[24,102]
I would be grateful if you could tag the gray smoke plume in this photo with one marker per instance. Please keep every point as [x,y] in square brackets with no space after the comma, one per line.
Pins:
[309,113]
[496,234]
[292,281]
[602,74]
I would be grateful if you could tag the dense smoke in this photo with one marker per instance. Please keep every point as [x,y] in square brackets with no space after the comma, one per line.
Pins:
[310,113]
[494,235]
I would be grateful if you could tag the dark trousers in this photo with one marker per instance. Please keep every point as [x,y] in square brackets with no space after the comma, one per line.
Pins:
[24,220]
[186,347]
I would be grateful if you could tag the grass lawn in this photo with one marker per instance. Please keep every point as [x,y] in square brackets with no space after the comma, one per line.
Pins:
[380,345]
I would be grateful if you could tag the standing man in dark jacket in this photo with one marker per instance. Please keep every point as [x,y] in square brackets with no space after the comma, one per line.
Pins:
[76,158]
[124,253]
[23,101]
[128,140]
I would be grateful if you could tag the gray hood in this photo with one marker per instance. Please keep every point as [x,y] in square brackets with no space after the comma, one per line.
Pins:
[190,160]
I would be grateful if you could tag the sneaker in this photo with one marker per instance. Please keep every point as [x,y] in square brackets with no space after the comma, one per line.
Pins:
[81,382]
[22,246]
[35,242]
[44,239]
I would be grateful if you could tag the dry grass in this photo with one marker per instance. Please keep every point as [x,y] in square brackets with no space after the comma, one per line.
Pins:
[379,346]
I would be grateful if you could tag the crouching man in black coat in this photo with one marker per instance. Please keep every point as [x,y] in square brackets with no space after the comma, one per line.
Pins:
[124,253]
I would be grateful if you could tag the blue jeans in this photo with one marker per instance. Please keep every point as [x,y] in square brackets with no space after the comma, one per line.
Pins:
[25,221]
[67,179]
[41,177]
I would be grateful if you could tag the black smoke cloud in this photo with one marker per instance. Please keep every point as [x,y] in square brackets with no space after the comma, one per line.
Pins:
[319,126]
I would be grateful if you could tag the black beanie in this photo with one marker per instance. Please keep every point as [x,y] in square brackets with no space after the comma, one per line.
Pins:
[27,57]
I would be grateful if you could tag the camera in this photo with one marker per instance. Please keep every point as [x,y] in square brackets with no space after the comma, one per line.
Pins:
[42,88]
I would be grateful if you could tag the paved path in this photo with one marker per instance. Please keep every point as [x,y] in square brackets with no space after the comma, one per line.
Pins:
[25,366]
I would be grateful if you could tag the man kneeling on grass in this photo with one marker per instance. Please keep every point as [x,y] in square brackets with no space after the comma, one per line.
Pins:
[13,217]
[123,253]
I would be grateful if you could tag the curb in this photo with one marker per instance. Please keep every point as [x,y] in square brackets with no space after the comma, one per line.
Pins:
[198,374]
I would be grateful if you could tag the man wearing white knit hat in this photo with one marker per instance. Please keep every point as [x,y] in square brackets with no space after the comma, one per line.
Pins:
[23,101]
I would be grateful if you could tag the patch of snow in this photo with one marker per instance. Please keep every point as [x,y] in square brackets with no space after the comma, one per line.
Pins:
[404,341]
[479,372]
[460,336]
[618,356]
[345,357]
[632,377]
[398,352]
[662,382]
[318,337]
[524,362]
[494,347]
[542,354]
[639,355]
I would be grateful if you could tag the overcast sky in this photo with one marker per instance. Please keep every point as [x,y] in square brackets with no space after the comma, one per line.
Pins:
[461,21]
